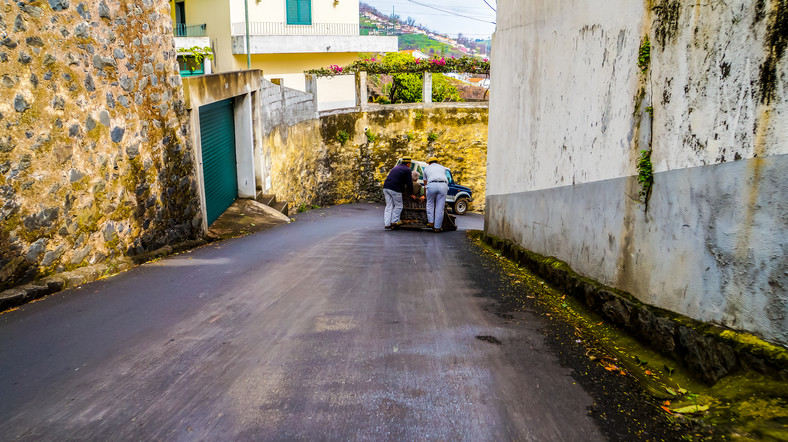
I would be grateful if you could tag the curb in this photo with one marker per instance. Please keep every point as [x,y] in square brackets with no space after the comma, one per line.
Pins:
[711,352]
[23,294]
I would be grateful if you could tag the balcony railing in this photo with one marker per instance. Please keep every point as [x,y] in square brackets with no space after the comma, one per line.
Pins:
[184,30]
[279,28]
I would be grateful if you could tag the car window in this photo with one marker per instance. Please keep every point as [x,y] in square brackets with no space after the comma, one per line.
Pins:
[448,176]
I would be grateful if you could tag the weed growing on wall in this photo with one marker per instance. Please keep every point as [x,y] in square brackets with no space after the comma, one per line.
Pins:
[371,137]
[644,55]
[342,137]
[645,176]
[432,137]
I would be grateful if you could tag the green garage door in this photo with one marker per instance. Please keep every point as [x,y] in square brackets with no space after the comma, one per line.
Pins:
[217,134]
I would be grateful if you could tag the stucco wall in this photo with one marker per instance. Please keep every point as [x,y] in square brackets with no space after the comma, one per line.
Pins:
[564,146]
[94,159]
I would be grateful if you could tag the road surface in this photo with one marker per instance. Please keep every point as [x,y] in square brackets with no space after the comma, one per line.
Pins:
[327,328]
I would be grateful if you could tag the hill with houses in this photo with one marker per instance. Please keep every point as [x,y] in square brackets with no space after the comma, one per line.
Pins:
[413,36]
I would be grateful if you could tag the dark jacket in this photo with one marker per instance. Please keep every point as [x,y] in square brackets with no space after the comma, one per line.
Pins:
[399,180]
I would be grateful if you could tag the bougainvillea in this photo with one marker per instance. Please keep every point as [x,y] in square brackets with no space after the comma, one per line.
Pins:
[470,65]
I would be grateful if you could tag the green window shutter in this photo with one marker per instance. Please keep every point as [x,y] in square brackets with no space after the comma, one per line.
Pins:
[299,12]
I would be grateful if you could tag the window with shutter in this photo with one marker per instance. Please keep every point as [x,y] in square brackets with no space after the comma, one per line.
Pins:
[299,12]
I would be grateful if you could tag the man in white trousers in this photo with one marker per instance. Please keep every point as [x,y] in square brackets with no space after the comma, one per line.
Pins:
[437,188]
[397,182]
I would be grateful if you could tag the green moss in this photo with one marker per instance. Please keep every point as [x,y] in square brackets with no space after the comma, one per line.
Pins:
[745,404]
[757,346]
[87,219]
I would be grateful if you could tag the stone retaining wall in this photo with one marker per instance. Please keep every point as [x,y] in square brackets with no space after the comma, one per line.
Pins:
[456,133]
[94,159]
[344,156]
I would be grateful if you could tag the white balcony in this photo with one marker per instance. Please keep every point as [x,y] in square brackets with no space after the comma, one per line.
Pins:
[280,38]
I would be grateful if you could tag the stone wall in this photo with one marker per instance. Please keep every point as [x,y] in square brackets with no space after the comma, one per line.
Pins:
[456,133]
[94,160]
[709,109]
[344,156]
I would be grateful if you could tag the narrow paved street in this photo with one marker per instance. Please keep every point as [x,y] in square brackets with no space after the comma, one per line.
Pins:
[327,328]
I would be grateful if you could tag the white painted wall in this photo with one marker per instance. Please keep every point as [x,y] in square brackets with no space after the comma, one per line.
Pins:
[567,125]
[323,11]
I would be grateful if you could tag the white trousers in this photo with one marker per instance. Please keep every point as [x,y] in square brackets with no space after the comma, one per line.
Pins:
[393,207]
[436,203]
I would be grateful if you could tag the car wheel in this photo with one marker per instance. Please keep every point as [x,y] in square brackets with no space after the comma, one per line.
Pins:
[460,206]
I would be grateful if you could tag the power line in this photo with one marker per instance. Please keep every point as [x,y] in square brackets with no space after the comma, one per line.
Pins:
[450,12]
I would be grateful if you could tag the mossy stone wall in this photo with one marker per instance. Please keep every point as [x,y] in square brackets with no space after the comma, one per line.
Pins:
[94,160]
[359,148]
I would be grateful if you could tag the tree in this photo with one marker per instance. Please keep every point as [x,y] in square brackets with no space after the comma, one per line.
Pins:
[407,88]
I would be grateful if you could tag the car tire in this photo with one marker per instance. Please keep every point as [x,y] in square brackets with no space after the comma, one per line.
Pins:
[460,207]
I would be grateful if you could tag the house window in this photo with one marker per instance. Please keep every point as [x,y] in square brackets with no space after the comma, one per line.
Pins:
[299,12]
[189,66]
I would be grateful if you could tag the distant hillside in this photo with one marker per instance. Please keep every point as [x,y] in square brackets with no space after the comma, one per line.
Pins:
[416,36]
[427,45]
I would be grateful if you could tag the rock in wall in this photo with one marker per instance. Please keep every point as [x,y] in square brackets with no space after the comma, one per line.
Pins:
[94,162]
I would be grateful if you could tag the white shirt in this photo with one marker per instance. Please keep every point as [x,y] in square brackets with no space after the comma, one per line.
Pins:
[435,173]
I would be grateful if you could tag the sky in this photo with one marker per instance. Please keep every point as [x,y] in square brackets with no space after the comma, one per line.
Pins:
[447,18]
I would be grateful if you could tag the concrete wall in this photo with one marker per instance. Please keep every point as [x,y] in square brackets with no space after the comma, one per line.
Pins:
[565,143]
[95,159]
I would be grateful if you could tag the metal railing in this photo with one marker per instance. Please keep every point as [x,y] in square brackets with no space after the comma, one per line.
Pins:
[184,30]
[279,28]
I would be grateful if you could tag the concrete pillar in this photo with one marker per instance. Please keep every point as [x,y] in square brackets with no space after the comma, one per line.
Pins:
[244,146]
[311,88]
[426,90]
[362,93]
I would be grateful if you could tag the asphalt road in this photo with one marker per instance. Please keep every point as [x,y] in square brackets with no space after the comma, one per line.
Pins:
[327,328]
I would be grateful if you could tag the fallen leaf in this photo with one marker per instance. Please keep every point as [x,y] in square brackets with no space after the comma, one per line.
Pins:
[669,390]
[691,409]
[666,409]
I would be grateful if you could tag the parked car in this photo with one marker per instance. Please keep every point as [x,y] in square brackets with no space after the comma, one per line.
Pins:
[458,198]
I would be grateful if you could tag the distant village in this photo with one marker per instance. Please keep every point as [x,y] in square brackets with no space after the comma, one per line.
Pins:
[383,24]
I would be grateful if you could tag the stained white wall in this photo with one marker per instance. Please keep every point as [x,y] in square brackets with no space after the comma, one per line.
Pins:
[568,121]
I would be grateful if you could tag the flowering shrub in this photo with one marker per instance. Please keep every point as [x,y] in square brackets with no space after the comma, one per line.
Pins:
[470,65]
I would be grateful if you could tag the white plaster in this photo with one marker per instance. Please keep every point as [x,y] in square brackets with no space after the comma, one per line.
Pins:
[244,146]
[567,125]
